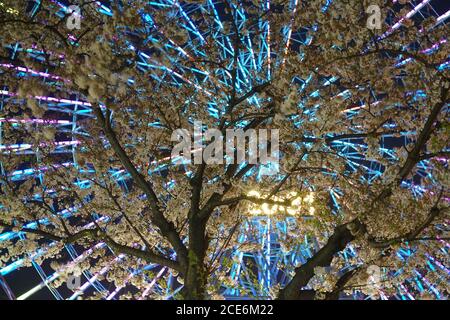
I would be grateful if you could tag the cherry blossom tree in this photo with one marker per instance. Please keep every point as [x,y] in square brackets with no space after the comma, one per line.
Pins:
[325,81]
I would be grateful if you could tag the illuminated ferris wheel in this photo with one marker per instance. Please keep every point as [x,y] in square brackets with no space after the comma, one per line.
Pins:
[255,63]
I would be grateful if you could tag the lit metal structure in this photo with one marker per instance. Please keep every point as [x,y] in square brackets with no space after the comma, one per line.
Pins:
[255,279]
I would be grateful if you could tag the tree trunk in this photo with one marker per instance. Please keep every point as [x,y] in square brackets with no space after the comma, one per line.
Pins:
[195,275]
[195,280]
[337,242]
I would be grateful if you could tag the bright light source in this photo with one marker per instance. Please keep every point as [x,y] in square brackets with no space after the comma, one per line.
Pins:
[298,204]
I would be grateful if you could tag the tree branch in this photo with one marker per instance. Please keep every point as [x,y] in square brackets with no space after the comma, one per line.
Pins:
[96,234]
[337,242]
[167,228]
